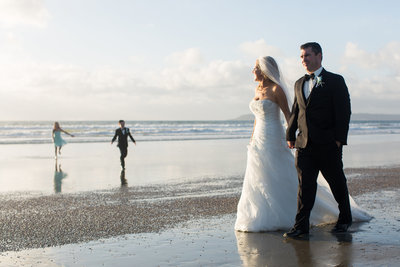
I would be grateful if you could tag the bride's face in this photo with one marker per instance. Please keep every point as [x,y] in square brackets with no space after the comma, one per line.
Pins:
[257,73]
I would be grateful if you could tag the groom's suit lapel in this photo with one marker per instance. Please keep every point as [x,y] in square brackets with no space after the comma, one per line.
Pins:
[313,90]
[300,92]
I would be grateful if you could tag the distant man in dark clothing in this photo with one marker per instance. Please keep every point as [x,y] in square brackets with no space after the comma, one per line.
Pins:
[122,132]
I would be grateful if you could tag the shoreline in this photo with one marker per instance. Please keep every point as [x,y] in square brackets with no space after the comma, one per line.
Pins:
[37,221]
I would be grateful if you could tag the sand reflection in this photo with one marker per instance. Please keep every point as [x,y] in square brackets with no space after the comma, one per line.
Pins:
[124,181]
[59,175]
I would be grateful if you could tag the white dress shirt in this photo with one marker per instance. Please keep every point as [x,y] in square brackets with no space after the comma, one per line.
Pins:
[309,85]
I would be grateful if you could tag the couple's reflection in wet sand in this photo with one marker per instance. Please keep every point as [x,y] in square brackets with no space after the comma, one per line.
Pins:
[59,175]
[321,248]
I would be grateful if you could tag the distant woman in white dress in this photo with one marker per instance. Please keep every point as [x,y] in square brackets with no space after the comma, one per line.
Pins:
[269,196]
[57,139]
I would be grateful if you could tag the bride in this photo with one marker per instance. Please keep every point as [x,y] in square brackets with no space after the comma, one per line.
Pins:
[269,195]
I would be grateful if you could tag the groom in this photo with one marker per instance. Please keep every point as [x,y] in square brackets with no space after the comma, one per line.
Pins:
[122,133]
[321,115]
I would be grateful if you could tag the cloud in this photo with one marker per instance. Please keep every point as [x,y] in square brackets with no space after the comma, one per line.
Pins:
[260,48]
[188,57]
[185,74]
[373,77]
[373,74]
[197,87]
[23,12]
[387,57]
[214,77]
[186,80]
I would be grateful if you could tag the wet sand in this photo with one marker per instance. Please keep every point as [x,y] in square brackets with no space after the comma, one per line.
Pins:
[129,219]
[175,206]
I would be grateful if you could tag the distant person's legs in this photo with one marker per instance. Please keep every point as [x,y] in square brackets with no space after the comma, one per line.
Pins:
[124,153]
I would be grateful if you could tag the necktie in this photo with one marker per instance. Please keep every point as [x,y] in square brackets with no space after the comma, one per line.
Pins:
[308,77]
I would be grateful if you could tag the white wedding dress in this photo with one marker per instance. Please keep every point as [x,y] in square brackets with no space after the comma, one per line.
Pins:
[269,195]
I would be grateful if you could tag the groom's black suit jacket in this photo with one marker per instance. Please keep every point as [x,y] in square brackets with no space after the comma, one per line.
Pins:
[322,118]
[122,137]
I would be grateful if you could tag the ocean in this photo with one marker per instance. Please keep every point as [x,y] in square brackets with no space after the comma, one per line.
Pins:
[39,132]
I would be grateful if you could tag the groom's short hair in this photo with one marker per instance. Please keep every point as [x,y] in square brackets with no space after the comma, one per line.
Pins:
[315,47]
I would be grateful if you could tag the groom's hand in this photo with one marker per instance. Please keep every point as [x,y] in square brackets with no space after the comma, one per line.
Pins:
[290,144]
[338,144]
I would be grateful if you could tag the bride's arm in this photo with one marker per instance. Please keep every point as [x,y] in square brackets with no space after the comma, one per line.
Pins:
[256,97]
[282,102]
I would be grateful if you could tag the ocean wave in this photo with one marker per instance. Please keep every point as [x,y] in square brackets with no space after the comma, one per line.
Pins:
[103,131]
[107,140]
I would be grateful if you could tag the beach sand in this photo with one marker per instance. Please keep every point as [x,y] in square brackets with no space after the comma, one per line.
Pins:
[181,212]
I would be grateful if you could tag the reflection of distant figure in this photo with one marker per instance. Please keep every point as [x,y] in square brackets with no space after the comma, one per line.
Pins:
[124,182]
[58,176]
[57,139]
[122,133]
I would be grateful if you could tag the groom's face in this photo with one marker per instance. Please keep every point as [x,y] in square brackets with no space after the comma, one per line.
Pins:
[310,60]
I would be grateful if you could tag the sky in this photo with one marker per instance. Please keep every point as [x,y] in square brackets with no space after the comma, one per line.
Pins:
[184,59]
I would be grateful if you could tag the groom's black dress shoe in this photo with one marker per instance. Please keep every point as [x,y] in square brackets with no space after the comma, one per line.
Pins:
[295,233]
[341,228]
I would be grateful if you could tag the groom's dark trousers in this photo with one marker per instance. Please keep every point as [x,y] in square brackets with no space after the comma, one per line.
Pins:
[326,158]
[320,121]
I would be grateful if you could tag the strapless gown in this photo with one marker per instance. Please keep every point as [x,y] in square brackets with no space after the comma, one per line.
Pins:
[269,196]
